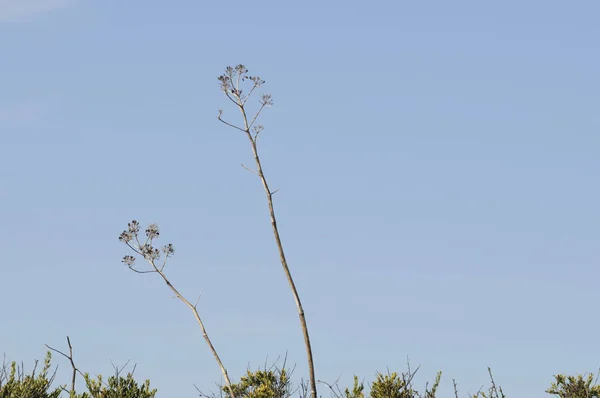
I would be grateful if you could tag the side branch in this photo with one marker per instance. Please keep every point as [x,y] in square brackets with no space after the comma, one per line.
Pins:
[70,358]
[229,124]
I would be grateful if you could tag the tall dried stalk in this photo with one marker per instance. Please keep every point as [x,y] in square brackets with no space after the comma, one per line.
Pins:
[230,84]
[151,254]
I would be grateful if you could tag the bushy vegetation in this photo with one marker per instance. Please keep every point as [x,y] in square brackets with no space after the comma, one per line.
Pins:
[262,383]
[575,386]
[16,384]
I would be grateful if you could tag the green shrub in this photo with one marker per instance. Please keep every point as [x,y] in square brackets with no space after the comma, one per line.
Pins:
[263,384]
[118,387]
[18,385]
[574,387]
[400,386]
[357,390]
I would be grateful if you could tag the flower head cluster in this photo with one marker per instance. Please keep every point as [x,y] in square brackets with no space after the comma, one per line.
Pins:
[148,251]
[128,260]
[257,80]
[230,85]
[134,227]
[126,237]
[131,232]
[224,82]
[169,250]
[266,100]
[152,231]
[240,69]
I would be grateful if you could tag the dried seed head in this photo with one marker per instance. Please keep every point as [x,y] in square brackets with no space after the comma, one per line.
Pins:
[149,252]
[257,80]
[152,231]
[267,100]
[225,80]
[134,227]
[126,236]
[169,250]
[241,69]
[128,260]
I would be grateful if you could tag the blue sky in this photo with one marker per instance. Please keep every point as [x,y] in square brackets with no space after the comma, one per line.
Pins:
[438,173]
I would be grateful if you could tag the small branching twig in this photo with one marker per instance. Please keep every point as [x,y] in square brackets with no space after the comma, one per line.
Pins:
[131,238]
[493,391]
[230,85]
[302,389]
[497,390]
[70,358]
[212,393]
[335,388]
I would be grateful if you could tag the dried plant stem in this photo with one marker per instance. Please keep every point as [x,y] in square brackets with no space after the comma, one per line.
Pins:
[234,93]
[288,274]
[284,264]
[204,334]
[194,309]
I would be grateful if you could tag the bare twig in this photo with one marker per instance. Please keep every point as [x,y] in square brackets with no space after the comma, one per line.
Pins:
[250,170]
[230,125]
[336,394]
[70,358]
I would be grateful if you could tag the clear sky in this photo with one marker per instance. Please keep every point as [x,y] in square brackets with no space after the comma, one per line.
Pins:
[438,170]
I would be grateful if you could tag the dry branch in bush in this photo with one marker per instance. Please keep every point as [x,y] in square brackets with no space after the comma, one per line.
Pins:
[73,367]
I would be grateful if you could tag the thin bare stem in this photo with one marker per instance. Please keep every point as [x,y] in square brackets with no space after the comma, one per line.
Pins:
[141,272]
[249,126]
[269,195]
[229,96]
[230,125]
[70,358]
[193,308]
[250,170]
[250,93]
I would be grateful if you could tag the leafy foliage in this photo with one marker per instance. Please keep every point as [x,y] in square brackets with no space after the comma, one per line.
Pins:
[16,384]
[400,386]
[357,390]
[263,384]
[390,386]
[574,387]
[118,387]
